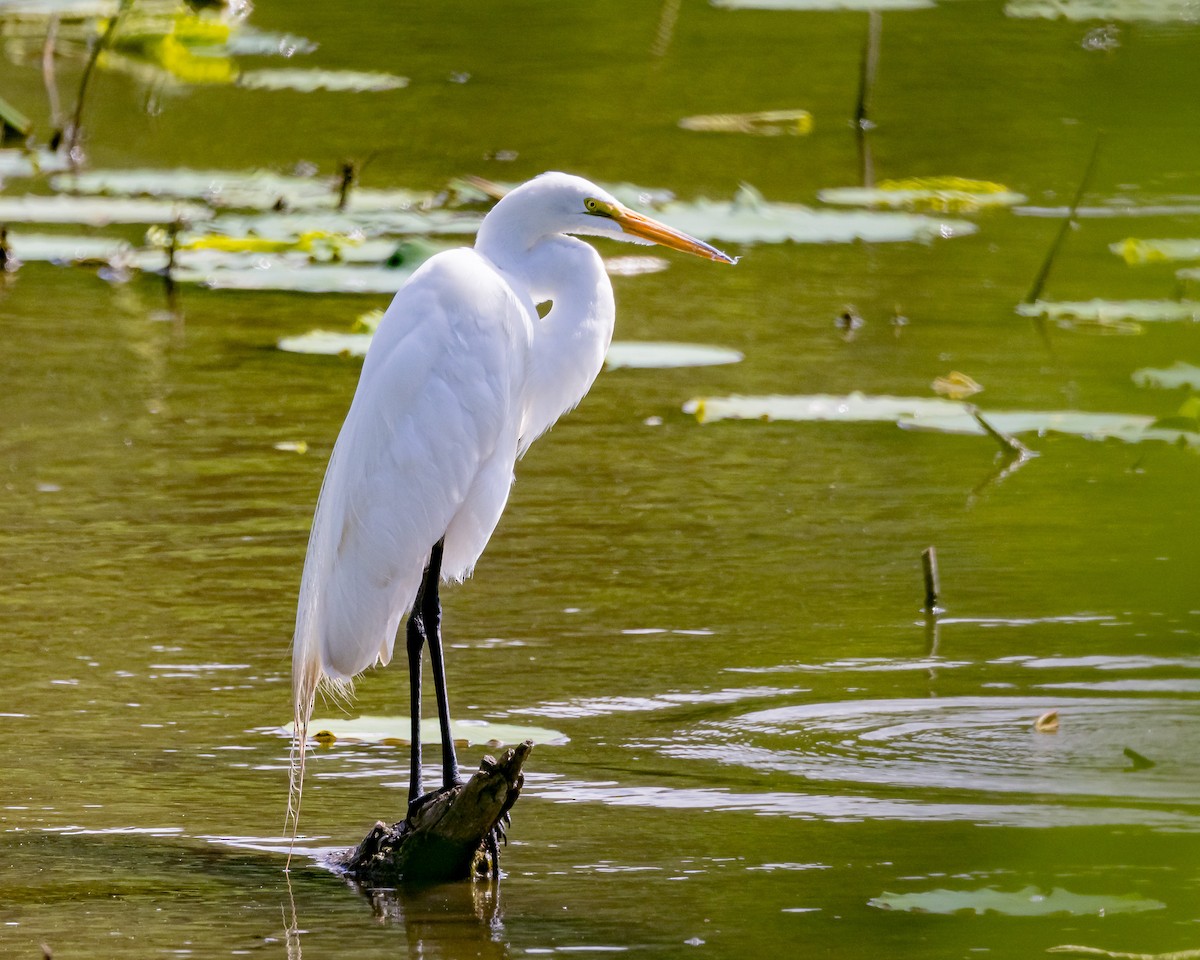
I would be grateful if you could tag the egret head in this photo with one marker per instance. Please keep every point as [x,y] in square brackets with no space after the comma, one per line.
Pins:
[556,203]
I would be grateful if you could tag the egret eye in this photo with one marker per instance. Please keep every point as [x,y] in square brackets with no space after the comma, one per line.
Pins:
[597,207]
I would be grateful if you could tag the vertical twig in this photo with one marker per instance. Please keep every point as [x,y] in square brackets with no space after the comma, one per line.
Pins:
[97,49]
[932,587]
[51,81]
[1039,281]
[169,271]
[931,609]
[868,68]
[349,171]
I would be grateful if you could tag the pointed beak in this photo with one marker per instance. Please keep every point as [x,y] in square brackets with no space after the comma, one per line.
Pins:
[649,229]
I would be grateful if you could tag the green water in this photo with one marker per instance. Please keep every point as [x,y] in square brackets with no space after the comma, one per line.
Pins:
[767,745]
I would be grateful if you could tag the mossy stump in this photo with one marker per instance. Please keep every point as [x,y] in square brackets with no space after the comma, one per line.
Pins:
[454,835]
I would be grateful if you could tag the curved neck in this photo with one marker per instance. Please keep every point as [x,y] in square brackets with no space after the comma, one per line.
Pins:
[567,345]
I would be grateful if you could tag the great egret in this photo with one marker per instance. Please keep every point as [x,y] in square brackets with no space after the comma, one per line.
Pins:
[461,377]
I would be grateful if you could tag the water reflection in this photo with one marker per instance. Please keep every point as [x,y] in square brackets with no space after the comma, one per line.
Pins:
[444,920]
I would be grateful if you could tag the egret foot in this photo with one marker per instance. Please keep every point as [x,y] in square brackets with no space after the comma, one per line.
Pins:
[415,806]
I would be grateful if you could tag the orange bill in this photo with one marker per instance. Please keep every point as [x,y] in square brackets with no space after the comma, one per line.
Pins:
[638,225]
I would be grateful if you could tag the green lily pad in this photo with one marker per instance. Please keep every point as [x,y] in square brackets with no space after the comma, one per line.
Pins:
[61,248]
[651,355]
[327,343]
[1156,11]
[1147,311]
[936,415]
[1135,251]
[307,81]
[824,4]
[937,194]
[370,729]
[765,123]
[748,218]
[295,272]
[31,163]
[95,211]
[241,190]
[1177,375]
[1027,902]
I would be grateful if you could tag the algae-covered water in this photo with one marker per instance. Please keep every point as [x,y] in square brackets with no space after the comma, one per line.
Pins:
[766,747]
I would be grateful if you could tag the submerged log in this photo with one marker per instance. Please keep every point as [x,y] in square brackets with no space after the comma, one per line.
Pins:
[452,835]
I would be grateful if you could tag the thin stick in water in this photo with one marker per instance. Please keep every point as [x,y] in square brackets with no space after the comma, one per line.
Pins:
[1039,281]
[932,587]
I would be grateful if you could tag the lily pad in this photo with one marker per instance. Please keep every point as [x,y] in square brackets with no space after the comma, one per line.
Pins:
[765,123]
[95,211]
[294,272]
[370,729]
[307,81]
[1177,375]
[824,4]
[1027,902]
[241,190]
[1146,311]
[651,355]
[30,163]
[941,416]
[1156,11]
[748,218]
[1135,251]
[59,248]
[936,194]
[327,343]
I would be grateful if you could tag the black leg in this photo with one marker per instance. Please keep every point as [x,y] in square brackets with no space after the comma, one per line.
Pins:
[416,640]
[431,615]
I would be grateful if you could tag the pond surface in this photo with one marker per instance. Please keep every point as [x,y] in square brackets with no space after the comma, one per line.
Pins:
[769,750]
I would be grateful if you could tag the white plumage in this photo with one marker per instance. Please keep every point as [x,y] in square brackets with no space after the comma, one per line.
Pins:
[462,375]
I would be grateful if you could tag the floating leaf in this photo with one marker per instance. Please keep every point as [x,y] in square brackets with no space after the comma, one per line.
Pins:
[649,355]
[956,386]
[1180,374]
[942,416]
[936,194]
[61,248]
[1108,311]
[371,729]
[328,344]
[1158,11]
[95,211]
[292,446]
[307,81]
[297,273]
[634,266]
[30,163]
[1047,722]
[824,4]
[748,218]
[765,123]
[1027,902]
[246,190]
[1135,251]
[1117,955]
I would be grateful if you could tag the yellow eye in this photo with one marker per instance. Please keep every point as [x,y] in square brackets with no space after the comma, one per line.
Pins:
[597,207]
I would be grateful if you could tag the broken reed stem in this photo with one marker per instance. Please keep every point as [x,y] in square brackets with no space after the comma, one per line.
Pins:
[1039,281]
[51,81]
[77,117]
[1010,445]
[349,171]
[869,66]
[932,587]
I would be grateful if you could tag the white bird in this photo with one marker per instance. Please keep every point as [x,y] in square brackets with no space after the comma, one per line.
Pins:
[461,377]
